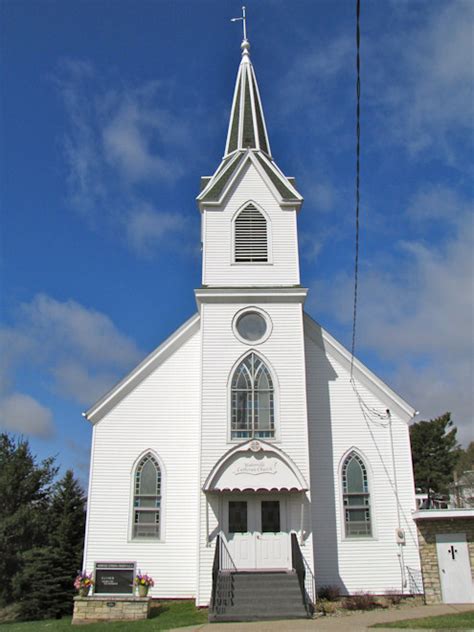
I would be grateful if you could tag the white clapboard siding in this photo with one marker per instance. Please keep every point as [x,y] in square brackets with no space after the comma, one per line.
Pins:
[161,414]
[336,424]
[219,268]
[283,353]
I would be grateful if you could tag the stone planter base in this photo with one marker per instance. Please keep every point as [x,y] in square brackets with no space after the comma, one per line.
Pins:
[110,608]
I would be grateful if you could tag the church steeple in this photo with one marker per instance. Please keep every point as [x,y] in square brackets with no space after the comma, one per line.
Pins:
[247,128]
[247,140]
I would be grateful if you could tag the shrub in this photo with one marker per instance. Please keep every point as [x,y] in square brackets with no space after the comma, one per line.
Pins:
[360,601]
[326,607]
[393,596]
[329,593]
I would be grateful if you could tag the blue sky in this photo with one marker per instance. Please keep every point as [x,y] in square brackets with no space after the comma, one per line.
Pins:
[112,110]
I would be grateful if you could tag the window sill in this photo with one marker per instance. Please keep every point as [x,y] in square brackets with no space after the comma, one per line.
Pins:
[246,439]
[251,263]
[359,538]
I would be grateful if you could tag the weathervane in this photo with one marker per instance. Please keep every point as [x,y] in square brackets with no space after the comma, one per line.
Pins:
[244,22]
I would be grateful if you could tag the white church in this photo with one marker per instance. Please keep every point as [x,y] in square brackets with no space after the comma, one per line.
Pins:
[242,463]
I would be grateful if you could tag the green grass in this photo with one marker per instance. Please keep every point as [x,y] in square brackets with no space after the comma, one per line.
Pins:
[168,615]
[460,621]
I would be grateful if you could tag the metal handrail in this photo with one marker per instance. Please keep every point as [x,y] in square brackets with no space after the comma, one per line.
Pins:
[226,561]
[415,581]
[215,572]
[223,563]
[305,575]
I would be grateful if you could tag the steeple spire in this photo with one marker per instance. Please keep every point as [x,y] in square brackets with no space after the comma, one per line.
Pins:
[247,129]
[247,141]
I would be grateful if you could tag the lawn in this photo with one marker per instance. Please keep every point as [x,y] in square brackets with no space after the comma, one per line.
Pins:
[460,621]
[168,615]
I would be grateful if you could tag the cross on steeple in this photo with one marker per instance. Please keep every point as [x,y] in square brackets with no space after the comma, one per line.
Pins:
[244,22]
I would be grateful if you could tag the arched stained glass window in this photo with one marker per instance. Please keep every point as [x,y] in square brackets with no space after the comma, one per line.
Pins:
[252,404]
[147,498]
[356,497]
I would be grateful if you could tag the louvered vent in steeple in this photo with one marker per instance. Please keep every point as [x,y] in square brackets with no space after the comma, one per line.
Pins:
[250,237]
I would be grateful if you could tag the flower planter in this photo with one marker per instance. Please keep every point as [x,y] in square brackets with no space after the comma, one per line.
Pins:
[84,591]
[142,590]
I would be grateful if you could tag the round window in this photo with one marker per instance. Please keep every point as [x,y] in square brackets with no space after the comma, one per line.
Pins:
[251,326]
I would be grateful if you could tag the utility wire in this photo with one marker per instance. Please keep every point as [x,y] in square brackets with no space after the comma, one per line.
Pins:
[369,413]
[357,187]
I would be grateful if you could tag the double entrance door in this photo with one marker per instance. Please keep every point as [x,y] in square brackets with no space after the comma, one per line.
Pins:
[256,530]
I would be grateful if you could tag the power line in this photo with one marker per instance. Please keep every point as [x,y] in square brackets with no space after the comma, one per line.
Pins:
[357,187]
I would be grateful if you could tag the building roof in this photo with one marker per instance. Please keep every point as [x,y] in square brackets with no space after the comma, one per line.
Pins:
[443,514]
[247,135]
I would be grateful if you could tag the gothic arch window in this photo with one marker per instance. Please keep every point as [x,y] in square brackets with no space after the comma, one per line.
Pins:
[252,400]
[250,236]
[356,496]
[147,486]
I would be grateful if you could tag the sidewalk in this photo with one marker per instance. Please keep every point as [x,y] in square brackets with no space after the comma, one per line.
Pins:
[348,623]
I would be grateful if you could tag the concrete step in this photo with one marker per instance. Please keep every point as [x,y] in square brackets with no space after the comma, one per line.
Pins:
[258,596]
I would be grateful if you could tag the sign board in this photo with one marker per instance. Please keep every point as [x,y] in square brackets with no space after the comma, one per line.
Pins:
[114,578]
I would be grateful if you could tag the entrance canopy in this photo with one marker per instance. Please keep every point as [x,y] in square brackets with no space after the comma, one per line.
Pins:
[255,466]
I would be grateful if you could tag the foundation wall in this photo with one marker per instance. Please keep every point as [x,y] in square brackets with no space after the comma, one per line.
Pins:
[93,609]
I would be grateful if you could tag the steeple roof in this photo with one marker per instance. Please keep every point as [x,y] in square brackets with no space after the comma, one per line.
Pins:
[247,139]
[247,128]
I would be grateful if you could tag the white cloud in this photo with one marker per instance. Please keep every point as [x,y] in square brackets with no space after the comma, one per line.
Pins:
[71,329]
[425,90]
[146,227]
[416,312]
[438,202]
[82,384]
[22,414]
[328,62]
[78,352]
[127,143]
[312,88]
[118,140]
[321,195]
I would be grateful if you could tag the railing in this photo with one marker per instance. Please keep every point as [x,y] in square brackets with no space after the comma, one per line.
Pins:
[305,575]
[223,564]
[215,572]
[415,581]
[226,561]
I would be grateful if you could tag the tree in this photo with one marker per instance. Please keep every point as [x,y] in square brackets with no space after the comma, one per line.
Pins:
[44,585]
[462,490]
[466,459]
[435,452]
[68,521]
[40,585]
[25,487]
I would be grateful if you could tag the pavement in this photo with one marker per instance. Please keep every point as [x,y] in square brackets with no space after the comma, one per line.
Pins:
[359,622]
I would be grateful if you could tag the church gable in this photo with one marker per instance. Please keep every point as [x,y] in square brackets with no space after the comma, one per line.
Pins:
[220,184]
[130,382]
[340,356]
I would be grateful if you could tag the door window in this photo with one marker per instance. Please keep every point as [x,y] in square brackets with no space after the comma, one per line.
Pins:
[237,516]
[270,516]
